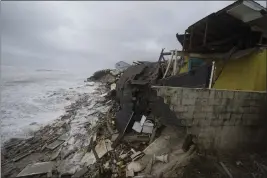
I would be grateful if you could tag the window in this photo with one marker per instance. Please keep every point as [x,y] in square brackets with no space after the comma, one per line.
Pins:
[194,63]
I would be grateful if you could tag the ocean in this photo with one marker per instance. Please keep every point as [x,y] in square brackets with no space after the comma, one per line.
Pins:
[32,98]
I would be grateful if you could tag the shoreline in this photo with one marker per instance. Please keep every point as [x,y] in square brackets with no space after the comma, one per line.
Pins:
[85,142]
[72,128]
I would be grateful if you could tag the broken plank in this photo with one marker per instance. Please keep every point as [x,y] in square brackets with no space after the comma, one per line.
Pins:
[21,156]
[226,170]
[36,169]
[55,144]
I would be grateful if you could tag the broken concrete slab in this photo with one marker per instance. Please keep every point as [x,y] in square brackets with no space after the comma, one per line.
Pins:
[37,168]
[137,127]
[113,86]
[88,159]
[135,166]
[80,173]
[148,127]
[19,157]
[136,138]
[103,147]
[55,154]
[142,121]
[54,144]
[114,137]
[64,137]
[104,94]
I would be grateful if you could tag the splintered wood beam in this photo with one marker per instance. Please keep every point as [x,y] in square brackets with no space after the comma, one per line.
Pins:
[235,55]
[198,55]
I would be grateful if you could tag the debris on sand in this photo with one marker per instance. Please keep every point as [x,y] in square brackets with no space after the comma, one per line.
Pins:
[124,129]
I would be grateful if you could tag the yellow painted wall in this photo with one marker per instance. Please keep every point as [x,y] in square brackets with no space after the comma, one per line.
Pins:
[184,68]
[247,73]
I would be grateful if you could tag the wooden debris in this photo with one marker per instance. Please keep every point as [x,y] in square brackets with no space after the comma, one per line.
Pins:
[36,169]
[226,170]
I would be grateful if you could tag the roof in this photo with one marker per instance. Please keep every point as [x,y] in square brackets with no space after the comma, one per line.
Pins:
[225,28]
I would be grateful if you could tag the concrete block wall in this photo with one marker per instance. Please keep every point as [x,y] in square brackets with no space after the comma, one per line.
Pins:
[221,119]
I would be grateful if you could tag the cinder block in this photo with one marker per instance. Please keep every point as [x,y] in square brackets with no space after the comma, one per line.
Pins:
[230,108]
[253,102]
[226,122]
[219,109]
[195,122]
[169,91]
[245,102]
[179,94]
[172,107]
[188,101]
[239,102]
[235,109]
[241,95]
[187,115]
[175,101]
[254,109]
[200,115]
[214,101]
[181,108]
[257,95]
[183,122]
[189,122]
[207,108]
[212,93]
[240,109]
[203,93]
[225,101]
[228,94]
[224,116]
[235,116]
[216,122]
[201,101]
[218,94]
[245,109]
[247,122]
[168,99]
[161,92]
[193,108]
[250,116]
[212,115]
[190,93]
[238,121]
[232,122]
[204,122]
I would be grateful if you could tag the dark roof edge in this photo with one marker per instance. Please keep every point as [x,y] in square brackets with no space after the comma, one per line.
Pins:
[223,10]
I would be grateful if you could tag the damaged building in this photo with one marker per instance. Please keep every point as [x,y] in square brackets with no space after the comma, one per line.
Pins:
[215,87]
[195,112]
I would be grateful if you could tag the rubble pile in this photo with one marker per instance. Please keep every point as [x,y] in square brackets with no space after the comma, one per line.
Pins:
[82,143]
[88,140]
[123,129]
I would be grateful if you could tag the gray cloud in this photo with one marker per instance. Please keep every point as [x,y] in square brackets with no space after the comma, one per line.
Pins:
[93,35]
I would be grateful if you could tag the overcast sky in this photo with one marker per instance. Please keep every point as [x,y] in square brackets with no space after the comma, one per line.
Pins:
[94,35]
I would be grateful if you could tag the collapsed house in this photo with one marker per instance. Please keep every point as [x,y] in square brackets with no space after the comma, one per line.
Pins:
[215,86]
[210,97]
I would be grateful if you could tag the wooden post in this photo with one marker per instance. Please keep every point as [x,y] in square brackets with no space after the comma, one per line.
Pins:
[174,72]
[212,73]
[184,40]
[169,64]
[191,38]
[184,43]
[206,31]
